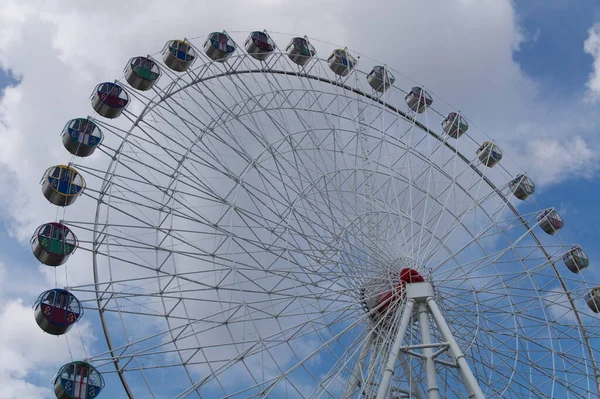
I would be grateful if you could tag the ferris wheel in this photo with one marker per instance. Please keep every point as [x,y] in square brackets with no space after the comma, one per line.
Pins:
[268,222]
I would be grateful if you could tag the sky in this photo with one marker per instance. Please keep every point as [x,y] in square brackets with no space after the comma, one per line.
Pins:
[525,71]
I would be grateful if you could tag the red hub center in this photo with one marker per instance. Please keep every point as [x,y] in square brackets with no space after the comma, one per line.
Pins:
[407,276]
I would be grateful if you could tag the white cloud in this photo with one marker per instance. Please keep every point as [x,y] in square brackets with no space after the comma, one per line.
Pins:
[17,388]
[28,356]
[553,161]
[592,47]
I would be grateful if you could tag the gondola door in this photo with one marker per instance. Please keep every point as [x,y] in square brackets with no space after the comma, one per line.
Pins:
[81,383]
[60,305]
[84,132]
[57,240]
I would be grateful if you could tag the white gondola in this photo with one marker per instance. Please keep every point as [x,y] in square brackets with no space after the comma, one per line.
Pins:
[178,55]
[380,78]
[593,299]
[418,99]
[522,187]
[455,125]
[259,45]
[341,62]
[300,51]
[141,73]
[218,46]
[576,260]
[81,137]
[550,221]
[489,153]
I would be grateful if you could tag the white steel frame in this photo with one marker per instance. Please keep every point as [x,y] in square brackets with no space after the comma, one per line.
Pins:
[106,243]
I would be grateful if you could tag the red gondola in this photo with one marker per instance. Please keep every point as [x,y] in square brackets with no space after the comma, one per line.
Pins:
[219,46]
[56,311]
[550,221]
[259,45]
[109,99]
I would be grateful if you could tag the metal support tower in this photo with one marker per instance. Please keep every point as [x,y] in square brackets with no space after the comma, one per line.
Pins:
[422,295]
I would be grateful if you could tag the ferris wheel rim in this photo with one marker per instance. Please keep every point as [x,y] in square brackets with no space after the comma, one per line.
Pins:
[150,104]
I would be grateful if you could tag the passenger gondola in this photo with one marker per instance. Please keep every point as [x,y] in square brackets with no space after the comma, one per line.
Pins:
[53,243]
[489,153]
[56,311]
[418,99]
[62,184]
[78,380]
[81,137]
[550,221]
[109,100]
[178,55]
[300,51]
[341,62]
[259,45]
[142,73]
[219,46]
[380,78]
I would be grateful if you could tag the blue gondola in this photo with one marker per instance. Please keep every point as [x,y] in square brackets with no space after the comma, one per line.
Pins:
[56,311]
[78,380]
[109,99]
[219,46]
[53,243]
[489,153]
[341,62]
[380,78]
[179,55]
[300,51]
[259,45]
[62,184]
[81,137]
[141,73]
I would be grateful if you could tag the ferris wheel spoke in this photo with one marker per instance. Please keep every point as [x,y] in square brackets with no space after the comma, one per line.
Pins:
[317,315]
[253,350]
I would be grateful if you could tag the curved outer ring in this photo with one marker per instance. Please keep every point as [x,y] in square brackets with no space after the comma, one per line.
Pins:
[151,104]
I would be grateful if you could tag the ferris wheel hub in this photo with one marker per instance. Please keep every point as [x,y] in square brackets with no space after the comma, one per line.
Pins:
[382,294]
